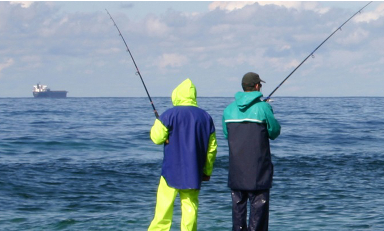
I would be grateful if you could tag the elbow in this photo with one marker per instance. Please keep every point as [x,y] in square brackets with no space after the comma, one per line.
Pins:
[159,133]
[274,135]
[157,140]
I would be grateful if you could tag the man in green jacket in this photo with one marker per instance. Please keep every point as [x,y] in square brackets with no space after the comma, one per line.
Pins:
[188,135]
[248,124]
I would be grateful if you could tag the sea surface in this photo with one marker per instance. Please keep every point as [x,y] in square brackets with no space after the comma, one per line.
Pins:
[89,164]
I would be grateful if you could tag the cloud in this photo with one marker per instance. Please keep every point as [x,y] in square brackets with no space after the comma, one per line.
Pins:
[229,6]
[371,15]
[355,37]
[171,60]
[126,5]
[213,46]
[155,27]
[236,5]
[31,61]
[23,4]
[299,5]
[5,64]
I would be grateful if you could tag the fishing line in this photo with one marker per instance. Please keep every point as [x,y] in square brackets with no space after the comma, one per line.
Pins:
[137,69]
[311,54]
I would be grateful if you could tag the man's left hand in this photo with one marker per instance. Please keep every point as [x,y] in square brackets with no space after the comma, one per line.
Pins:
[206,178]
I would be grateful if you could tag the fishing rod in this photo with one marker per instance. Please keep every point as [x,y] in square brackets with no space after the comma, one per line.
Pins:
[311,54]
[137,69]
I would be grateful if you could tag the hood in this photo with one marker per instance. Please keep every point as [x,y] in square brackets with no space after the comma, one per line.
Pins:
[184,94]
[246,99]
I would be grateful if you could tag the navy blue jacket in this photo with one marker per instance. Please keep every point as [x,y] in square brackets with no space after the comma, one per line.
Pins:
[249,123]
[189,139]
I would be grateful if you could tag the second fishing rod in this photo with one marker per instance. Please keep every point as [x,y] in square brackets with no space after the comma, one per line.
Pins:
[311,54]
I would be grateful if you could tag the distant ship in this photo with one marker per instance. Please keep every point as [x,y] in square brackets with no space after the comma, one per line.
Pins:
[42,91]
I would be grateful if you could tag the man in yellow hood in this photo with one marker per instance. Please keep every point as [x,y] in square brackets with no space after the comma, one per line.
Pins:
[188,135]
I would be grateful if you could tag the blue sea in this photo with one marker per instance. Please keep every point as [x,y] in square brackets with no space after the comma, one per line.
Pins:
[89,164]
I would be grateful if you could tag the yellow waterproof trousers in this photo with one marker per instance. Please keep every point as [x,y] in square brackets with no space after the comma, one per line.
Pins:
[164,208]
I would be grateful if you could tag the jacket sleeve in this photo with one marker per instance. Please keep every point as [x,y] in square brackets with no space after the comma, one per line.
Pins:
[273,125]
[211,155]
[159,133]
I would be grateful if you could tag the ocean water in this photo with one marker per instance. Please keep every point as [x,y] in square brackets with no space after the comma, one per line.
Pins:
[88,164]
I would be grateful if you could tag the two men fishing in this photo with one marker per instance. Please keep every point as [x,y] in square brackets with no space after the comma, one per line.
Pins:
[189,138]
[188,135]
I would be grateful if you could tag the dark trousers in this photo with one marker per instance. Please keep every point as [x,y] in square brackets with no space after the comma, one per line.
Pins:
[259,210]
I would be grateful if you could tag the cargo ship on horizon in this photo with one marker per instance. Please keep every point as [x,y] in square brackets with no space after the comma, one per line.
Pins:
[42,91]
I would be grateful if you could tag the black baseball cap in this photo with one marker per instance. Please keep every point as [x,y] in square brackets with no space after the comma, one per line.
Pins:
[251,79]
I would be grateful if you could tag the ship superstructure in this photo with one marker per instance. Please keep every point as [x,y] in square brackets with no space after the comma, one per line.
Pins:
[42,91]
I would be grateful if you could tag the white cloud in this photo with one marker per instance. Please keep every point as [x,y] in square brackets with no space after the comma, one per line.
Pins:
[299,5]
[31,61]
[156,28]
[232,61]
[24,4]
[229,6]
[7,63]
[171,60]
[289,65]
[64,20]
[354,37]
[89,72]
[285,47]
[371,15]
[106,51]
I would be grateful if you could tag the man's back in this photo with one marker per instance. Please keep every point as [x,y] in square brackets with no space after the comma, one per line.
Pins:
[248,123]
[250,165]
[185,155]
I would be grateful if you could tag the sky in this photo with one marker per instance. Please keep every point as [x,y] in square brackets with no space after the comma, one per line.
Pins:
[74,46]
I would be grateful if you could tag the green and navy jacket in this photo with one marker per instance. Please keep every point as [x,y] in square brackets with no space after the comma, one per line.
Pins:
[248,124]
[189,139]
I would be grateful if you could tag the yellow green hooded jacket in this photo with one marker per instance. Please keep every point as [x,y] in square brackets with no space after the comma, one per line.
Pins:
[189,139]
